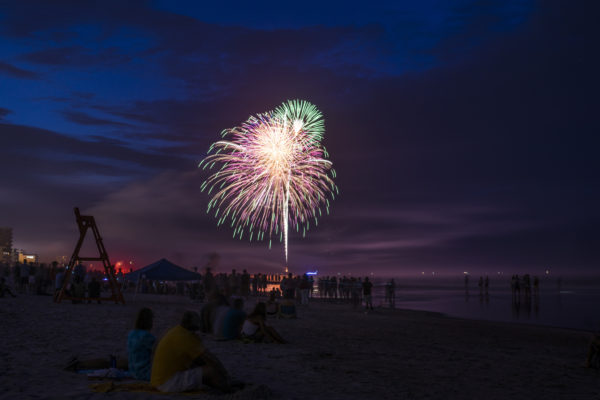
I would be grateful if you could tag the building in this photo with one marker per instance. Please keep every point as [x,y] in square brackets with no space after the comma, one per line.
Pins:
[21,256]
[5,245]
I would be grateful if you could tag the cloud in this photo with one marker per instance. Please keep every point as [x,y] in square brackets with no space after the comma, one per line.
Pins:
[86,119]
[4,112]
[16,72]
[77,56]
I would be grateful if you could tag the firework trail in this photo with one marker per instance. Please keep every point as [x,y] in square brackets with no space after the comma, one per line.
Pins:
[272,173]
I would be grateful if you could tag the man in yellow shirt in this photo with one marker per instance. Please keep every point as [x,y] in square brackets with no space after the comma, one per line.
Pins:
[182,363]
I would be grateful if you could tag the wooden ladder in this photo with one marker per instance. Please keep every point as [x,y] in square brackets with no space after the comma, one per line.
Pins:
[85,222]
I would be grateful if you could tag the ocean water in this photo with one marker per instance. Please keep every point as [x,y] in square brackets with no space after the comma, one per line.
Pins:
[567,303]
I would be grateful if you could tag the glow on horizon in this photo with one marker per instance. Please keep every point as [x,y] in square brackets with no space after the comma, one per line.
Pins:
[273,173]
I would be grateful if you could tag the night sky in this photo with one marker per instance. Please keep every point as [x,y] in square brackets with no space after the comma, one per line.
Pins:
[464,133]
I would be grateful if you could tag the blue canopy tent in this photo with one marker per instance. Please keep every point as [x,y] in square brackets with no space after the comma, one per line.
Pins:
[163,270]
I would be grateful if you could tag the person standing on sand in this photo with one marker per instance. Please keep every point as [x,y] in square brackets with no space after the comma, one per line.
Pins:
[367,288]
[93,290]
[182,363]
[392,293]
[245,284]
[593,357]
[24,274]
[304,288]
[487,284]
[355,289]
[536,286]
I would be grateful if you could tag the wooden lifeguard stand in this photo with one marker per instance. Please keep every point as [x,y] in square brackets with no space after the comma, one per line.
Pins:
[86,222]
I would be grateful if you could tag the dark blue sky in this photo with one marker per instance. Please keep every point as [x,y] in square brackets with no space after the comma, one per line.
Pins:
[463,133]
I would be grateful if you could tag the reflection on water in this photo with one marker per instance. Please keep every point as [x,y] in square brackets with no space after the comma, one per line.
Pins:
[563,304]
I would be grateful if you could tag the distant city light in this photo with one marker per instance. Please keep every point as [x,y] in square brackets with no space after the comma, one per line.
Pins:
[312,273]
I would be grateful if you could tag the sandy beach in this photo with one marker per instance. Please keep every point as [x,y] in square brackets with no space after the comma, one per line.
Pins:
[335,353]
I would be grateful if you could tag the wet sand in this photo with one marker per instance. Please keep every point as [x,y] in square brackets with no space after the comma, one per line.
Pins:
[335,353]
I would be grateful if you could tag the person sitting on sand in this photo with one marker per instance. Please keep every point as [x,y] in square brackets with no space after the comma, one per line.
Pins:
[182,363]
[287,309]
[256,330]
[140,344]
[218,321]
[208,313]
[4,289]
[272,305]
[233,321]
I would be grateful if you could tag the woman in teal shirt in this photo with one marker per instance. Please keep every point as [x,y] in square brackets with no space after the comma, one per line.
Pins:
[140,345]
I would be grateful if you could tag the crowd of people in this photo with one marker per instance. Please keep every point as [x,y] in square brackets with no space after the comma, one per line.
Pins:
[47,279]
[355,291]
[87,285]
[525,283]
[222,314]
[180,362]
[28,278]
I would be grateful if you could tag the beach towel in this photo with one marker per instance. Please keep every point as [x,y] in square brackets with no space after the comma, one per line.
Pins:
[146,387]
[107,373]
[253,391]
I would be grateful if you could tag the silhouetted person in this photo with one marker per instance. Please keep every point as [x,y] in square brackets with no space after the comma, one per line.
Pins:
[287,287]
[255,328]
[367,288]
[513,287]
[392,293]
[94,290]
[536,286]
[77,290]
[487,285]
[245,284]
[527,286]
[480,284]
[4,289]
[355,289]
[209,282]
[304,288]
[208,312]
[593,357]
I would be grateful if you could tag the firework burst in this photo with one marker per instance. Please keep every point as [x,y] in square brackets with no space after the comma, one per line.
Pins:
[272,173]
